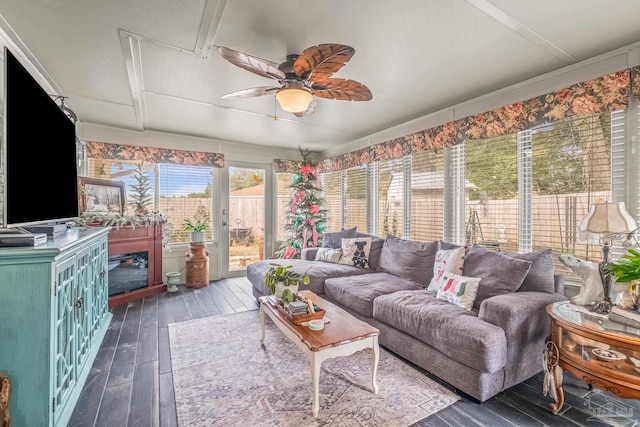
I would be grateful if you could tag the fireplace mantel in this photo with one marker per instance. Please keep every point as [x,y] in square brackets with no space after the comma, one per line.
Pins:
[141,238]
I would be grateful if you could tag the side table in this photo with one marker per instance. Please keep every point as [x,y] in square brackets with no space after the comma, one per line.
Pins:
[593,348]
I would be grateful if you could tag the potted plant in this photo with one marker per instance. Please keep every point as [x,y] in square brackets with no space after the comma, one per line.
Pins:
[627,270]
[196,228]
[283,282]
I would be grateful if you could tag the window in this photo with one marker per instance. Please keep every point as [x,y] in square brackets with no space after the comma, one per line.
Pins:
[355,189]
[177,191]
[491,197]
[391,197]
[427,195]
[283,197]
[332,187]
[570,169]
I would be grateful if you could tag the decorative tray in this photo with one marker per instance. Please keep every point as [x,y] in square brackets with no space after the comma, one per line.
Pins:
[608,355]
[319,314]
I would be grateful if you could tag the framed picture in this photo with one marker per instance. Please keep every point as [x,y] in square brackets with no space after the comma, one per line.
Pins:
[101,196]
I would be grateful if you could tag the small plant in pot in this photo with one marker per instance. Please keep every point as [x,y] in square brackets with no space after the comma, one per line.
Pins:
[196,229]
[284,282]
[627,270]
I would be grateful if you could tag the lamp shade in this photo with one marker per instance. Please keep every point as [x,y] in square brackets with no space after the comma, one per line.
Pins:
[608,218]
[294,99]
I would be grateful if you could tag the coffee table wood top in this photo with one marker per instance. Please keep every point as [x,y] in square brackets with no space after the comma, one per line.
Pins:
[343,327]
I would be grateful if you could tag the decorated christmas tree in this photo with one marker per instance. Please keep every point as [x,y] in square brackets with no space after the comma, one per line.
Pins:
[306,215]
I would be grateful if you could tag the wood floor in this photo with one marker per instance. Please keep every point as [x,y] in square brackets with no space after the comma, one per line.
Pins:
[131,383]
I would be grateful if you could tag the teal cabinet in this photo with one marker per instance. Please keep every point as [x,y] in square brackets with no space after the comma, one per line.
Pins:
[53,316]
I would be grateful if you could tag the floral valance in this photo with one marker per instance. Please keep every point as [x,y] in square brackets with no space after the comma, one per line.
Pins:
[606,93]
[107,151]
[286,166]
[635,85]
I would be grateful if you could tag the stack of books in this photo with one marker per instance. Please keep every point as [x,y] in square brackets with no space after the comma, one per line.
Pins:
[298,308]
[625,316]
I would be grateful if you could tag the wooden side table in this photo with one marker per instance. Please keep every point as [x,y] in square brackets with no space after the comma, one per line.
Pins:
[596,350]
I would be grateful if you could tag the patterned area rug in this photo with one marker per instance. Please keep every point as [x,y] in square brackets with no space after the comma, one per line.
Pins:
[223,377]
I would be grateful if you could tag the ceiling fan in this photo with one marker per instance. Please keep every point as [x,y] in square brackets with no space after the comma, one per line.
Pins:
[301,78]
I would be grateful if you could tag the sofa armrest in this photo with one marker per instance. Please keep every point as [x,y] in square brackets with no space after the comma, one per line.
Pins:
[308,254]
[558,283]
[525,322]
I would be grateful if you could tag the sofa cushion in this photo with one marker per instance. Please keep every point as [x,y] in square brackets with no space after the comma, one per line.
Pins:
[446,260]
[318,272]
[355,251]
[540,277]
[500,273]
[458,290]
[450,329]
[410,259]
[358,292]
[334,240]
[328,254]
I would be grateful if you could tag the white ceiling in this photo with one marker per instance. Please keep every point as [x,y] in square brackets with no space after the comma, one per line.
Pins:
[151,65]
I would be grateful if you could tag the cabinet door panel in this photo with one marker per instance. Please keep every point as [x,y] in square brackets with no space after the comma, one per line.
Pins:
[99,286]
[65,363]
[82,306]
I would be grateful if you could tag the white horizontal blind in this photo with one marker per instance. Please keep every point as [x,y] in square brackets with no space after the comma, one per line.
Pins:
[492,193]
[178,191]
[454,194]
[332,187]
[427,195]
[283,198]
[391,197]
[355,203]
[571,168]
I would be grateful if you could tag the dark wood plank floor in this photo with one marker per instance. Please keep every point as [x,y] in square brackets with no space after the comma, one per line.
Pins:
[131,383]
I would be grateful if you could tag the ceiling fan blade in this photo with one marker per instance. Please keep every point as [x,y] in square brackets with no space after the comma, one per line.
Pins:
[320,62]
[342,90]
[310,110]
[251,92]
[255,65]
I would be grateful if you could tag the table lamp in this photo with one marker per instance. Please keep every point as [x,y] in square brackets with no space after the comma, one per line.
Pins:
[610,221]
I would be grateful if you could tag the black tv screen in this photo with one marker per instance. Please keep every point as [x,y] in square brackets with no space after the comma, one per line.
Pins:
[41,176]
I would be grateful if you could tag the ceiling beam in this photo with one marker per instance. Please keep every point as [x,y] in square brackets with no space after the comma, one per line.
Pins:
[513,24]
[133,62]
[209,27]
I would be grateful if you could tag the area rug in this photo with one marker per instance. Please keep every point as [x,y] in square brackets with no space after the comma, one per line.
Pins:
[223,377]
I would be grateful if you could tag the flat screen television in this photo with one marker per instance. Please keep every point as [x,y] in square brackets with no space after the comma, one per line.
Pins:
[41,175]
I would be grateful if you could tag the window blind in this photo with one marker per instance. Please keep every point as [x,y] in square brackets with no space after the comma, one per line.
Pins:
[355,194]
[332,187]
[427,195]
[283,198]
[491,194]
[571,168]
[391,197]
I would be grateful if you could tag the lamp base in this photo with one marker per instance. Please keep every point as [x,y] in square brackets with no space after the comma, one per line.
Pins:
[602,307]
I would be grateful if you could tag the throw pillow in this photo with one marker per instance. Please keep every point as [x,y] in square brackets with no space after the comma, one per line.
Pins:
[540,276]
[447,260]
[356,251]
[408,259]
[500,273]
[458,290]
[328,254]
[334,240]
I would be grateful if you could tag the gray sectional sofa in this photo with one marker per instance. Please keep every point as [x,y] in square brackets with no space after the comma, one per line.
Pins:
[481,352]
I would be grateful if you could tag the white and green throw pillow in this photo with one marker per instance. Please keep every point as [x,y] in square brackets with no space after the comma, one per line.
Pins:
[328,254]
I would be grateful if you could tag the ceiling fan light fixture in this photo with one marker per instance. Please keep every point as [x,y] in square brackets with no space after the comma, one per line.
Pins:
[294,99]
